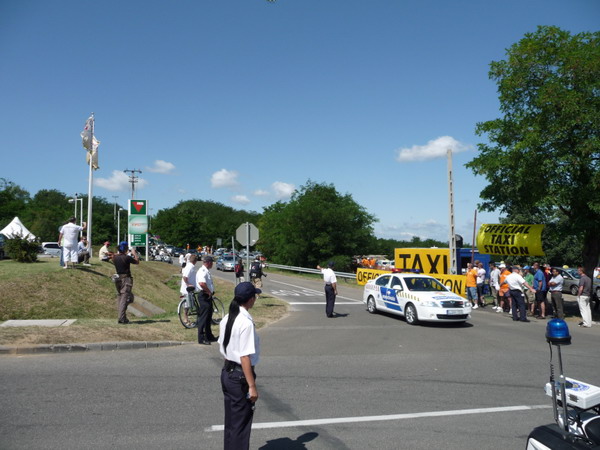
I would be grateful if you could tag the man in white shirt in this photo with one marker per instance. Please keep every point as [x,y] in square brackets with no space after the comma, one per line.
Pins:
[188,285]
[330,288]
[480,282]
[70,233]
[515,284]
[206,290]
[495,284]
[556,285]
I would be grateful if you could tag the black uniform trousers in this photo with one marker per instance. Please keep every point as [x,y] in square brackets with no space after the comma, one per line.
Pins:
[330,299]
[239,410]
[518,304]
[204,317]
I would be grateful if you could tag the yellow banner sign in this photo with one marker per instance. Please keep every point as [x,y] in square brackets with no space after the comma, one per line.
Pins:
[456,283]
[510,239]
[429,261]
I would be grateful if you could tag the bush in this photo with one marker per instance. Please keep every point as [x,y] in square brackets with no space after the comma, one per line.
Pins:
[22,250]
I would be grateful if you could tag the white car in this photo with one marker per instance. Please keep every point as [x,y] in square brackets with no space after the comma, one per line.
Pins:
[51,248]
[416,298]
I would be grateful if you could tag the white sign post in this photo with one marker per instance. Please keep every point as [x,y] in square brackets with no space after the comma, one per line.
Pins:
[247,234]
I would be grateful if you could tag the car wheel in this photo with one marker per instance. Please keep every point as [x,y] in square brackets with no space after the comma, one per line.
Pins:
[411,314]
[574,289]
[371,306]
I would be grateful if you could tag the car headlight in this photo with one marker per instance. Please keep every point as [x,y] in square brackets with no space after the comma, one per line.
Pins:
[431,304]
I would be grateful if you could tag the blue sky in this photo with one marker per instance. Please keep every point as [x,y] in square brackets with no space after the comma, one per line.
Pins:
[242,101]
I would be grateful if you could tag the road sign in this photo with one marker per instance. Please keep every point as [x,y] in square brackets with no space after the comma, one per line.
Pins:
[138,207]
[247,234]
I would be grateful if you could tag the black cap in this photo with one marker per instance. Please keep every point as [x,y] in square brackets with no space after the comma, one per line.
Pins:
[246,290]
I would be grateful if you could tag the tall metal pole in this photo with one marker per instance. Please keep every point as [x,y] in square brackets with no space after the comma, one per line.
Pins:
[115,208]
[90,193]
[132,179]
[119,225]
[80,200]
[473,244]
[452,237]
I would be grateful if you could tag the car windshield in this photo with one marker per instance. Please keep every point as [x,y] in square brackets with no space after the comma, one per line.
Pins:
[574,273]
[424,284]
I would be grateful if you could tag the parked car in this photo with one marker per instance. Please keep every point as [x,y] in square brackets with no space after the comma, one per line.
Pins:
[51,248]
[226,263]
[416,298]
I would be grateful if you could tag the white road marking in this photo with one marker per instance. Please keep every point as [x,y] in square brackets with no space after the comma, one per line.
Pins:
[323,303]
[456,412]
[305,290]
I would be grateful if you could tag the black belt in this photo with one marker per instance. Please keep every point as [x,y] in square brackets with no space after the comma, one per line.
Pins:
[230,366]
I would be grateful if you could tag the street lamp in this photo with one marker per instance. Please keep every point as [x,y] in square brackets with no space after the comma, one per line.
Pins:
[74,200]
[119,225]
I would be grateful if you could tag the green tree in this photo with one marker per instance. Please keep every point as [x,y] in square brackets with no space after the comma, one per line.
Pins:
[46,212]
[543,155]
[316,225]
[198,222]
[13,201]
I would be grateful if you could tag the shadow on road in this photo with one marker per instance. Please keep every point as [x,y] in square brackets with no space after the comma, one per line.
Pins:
[290,444]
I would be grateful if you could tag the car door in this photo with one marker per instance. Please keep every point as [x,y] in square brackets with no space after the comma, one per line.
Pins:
[381,282]
[389,294]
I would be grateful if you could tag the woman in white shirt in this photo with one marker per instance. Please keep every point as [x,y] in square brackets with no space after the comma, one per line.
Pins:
[240,346]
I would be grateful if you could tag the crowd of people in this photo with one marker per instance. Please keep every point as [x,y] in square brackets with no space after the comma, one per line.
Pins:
[528,291]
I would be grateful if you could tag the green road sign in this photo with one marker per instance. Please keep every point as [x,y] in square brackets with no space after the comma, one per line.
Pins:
[138,207]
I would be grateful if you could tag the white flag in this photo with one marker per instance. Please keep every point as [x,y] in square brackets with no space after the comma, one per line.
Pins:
[94,154]
[86,134]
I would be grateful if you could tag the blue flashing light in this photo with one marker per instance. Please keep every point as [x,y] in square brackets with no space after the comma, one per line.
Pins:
[557,332]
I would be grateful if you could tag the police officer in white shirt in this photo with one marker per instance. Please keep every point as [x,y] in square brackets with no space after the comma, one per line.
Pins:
[206,290]
[240,346]
[330,287]
[515,284]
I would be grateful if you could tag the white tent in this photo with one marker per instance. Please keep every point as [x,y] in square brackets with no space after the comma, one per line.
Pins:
[16,228]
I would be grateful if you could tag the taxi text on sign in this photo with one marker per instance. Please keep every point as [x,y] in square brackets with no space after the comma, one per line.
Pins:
[428,261]
[510,239]
[456,283]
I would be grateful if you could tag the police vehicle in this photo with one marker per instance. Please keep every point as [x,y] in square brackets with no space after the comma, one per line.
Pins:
[416,298]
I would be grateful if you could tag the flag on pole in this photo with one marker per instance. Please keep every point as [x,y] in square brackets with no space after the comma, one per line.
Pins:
[87,134]
[94,153]
[90,143]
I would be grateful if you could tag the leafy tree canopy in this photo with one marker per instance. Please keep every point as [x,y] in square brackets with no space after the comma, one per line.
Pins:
[543,155]
[199,222]
[317,224]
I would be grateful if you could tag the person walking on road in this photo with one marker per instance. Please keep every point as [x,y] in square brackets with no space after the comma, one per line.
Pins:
[240,346]
[583,298]
[124,280]
[206,291]
[256,272]
[239,271]
[330,287]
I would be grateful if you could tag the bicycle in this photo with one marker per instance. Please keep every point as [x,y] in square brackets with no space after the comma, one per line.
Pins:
[192,311]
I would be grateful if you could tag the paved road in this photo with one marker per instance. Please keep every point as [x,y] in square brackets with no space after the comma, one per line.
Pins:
[353,382]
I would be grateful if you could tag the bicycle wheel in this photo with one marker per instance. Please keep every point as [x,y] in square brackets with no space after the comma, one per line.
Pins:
[192,314]
[218,311]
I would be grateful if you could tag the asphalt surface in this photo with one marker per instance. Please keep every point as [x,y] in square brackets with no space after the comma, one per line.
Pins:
[353,382]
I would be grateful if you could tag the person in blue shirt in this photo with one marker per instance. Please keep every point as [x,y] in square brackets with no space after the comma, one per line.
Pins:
[539,284]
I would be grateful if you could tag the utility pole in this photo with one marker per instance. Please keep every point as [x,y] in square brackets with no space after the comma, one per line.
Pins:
[132,179]
[452,237]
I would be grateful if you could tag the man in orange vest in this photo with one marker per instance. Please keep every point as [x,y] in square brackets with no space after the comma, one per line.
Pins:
[505,300]
[472,285]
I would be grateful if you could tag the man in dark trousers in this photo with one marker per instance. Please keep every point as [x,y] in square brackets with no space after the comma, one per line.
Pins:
[124,281]
[206,291]
[330,287]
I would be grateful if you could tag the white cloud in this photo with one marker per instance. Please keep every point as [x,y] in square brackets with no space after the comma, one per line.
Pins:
[261,193]
[161,166]
[119,181]
[240,199]
[283,190]
[436,148]
[224,178]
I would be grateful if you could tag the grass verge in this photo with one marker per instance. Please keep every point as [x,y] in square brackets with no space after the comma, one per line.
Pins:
[43,290]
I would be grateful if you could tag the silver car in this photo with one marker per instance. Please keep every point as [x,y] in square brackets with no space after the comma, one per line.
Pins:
[51,248]
[226,264]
